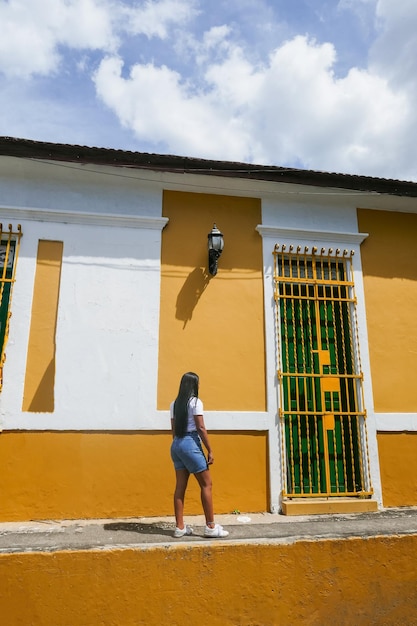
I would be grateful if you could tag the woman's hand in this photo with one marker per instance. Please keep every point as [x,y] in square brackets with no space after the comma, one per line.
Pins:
[201,429]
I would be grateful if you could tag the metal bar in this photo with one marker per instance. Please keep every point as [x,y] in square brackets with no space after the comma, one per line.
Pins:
[323,494]
[319,298]
[357,377]
[312,281]
[305,391]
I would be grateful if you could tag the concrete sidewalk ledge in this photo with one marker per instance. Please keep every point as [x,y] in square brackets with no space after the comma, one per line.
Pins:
[52,536]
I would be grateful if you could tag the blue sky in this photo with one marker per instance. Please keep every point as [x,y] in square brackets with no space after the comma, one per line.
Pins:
[319,84]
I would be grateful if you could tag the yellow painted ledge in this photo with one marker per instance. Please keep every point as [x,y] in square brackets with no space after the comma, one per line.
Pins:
[322,506]
[344,582]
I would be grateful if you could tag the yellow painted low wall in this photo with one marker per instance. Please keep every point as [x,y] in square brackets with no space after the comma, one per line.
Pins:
[398,467]
[73,475]
[332,582]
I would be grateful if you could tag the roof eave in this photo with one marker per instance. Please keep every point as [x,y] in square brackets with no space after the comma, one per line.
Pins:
[29,149]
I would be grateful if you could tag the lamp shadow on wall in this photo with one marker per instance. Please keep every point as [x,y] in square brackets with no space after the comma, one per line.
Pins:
[190,294]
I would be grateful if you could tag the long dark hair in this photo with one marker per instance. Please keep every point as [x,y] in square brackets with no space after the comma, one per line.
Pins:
[188,389]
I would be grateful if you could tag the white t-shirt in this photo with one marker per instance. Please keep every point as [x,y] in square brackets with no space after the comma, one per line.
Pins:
[195,407]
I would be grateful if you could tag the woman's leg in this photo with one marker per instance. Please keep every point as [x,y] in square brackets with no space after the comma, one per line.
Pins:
[204,480]
[179,494]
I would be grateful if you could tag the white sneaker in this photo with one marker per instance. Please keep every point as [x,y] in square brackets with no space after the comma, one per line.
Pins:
[180,532]
[217,531]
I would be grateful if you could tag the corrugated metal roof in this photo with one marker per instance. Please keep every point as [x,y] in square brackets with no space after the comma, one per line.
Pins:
[25,148]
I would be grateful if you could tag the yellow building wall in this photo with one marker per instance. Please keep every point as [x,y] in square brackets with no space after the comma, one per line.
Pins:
[341,582]
[51,475]
[398,467]
[213,326]
[389,263]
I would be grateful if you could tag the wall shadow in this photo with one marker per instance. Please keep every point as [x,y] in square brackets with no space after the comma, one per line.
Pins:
[190,294]
[43,398]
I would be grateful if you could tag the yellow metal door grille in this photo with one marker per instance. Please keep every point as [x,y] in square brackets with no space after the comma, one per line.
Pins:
[9,250]
[322,414]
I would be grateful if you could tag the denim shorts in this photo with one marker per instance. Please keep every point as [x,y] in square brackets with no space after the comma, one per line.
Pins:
[187,453]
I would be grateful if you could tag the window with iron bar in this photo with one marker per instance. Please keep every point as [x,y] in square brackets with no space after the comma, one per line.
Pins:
[322,413]
[9,250]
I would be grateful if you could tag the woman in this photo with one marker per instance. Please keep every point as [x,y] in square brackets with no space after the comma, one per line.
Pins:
[188,431]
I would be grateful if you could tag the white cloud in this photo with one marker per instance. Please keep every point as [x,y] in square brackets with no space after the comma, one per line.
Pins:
[154,18]
[364,12]
[291,109]
[159,107]
[394,54]
[325,122]
[33,31]
[357,6]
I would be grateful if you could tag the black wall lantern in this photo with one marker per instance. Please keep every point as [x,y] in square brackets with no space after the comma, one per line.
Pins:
[215,248]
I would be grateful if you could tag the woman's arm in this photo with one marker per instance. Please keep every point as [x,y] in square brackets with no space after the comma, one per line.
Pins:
[172,428]
[202,431]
